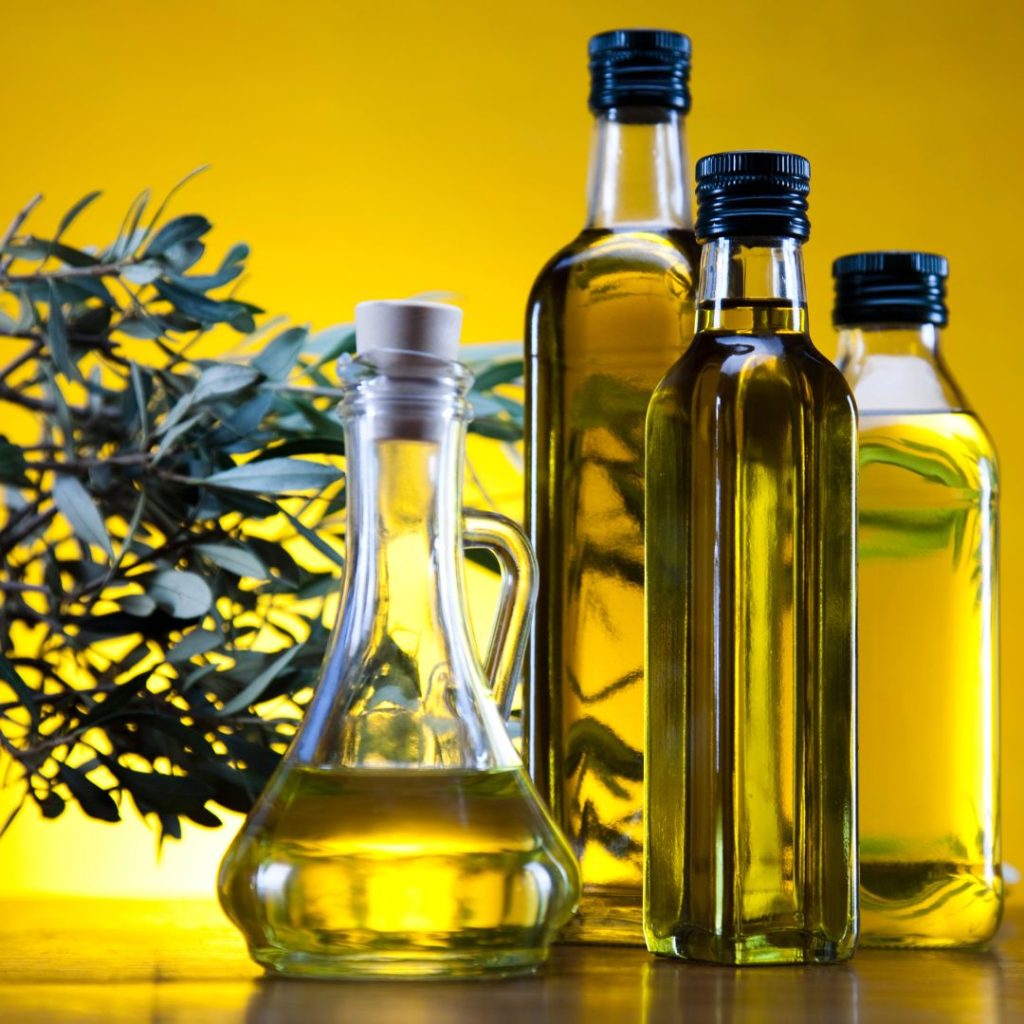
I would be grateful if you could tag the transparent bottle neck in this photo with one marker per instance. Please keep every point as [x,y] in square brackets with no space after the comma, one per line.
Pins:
[897,368]
[752,285]
[639,170]
[404,519]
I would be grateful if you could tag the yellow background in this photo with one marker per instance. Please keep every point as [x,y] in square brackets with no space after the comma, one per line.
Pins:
[389,148]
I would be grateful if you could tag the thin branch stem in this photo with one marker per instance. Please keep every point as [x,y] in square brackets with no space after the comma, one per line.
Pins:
[65,273]
[13,228]
[29,354]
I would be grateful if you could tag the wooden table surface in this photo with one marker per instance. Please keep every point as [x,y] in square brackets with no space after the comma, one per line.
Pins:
[80,961]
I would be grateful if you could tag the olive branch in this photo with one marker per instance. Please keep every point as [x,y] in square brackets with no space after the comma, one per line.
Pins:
[169,535]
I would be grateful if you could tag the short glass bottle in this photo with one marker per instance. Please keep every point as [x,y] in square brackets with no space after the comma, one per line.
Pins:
[607,316]
[401,835]
[930,873]
[750,852]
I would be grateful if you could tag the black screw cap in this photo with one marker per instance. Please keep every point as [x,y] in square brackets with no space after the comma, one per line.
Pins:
[890,288]
[639,67]
[753,194]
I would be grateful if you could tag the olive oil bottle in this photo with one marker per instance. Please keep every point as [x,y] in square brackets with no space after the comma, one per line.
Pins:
[750,850]
[930,873]
[400,836]
[607,316]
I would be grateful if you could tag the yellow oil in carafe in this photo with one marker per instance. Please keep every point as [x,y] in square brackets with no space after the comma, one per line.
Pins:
[386,868]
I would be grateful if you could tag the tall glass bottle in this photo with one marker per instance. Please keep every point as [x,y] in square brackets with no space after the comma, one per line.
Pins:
[750,852]
[607,316]
[928,701]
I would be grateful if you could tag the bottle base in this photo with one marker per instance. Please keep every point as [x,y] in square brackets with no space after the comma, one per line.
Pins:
[379,965]
[607,916]
[928,904]
[778,947]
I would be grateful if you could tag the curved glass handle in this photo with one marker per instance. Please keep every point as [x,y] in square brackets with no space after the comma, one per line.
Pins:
[514,552]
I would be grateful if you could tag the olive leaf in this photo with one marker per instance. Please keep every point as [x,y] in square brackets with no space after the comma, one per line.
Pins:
[78,507]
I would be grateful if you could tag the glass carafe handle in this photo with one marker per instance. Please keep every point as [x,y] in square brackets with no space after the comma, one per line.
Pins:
[509,545]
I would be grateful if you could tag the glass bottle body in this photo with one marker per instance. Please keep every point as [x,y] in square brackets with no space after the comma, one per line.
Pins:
[750,853]
[607,316]
[928,692]
[401,835]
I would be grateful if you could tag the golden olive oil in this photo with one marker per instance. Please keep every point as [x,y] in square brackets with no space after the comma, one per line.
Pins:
[606,319]
[930,873]
[391,872]
[750,594]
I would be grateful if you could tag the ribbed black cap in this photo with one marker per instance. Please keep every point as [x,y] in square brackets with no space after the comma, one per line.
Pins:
[639,67]
[890,288]
[753,193]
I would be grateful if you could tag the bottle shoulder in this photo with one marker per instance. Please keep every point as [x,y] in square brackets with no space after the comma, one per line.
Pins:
[612,290]
[596,253]
[788,356]
[760,379]
[903,383]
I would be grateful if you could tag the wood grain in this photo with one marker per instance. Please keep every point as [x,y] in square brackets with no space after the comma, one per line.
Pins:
[113,962]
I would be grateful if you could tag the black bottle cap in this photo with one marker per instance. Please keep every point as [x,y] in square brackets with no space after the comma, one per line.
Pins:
[753,194]
[890,288]
[639,67]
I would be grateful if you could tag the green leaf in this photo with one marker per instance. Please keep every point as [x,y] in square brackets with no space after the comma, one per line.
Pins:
[251,694]
[302,446]
[222,379]
[57,337]
[199,307]
[96,802]
[52,805]
[275,362]
[198,641]
[230,268]
[12,464]
[142,273]
[116,701]
[9,674]
[497,429]
[182,229]
[332,342]
[183,595]
[96,289]
[319,543]
[146,328]
[275,476]
[137,604]
[127,235]
[498,373]
[78,508]
[235,559]
[170,195]
[27,316]
[65,253]
[66,220]
[173,434]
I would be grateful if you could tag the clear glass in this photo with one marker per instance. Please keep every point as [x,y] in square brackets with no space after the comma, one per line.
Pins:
[750,853]
[607,316]
[930,873]
[401,835]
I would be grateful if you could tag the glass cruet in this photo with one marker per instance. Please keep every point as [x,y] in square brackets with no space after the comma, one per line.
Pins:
[401,836]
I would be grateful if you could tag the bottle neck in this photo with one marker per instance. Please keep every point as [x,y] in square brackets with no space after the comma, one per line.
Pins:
[752,286]
[897,368]
[638,170]
[404,523]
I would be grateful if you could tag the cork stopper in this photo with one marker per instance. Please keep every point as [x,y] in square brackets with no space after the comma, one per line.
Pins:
[397,335]
[430,328]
